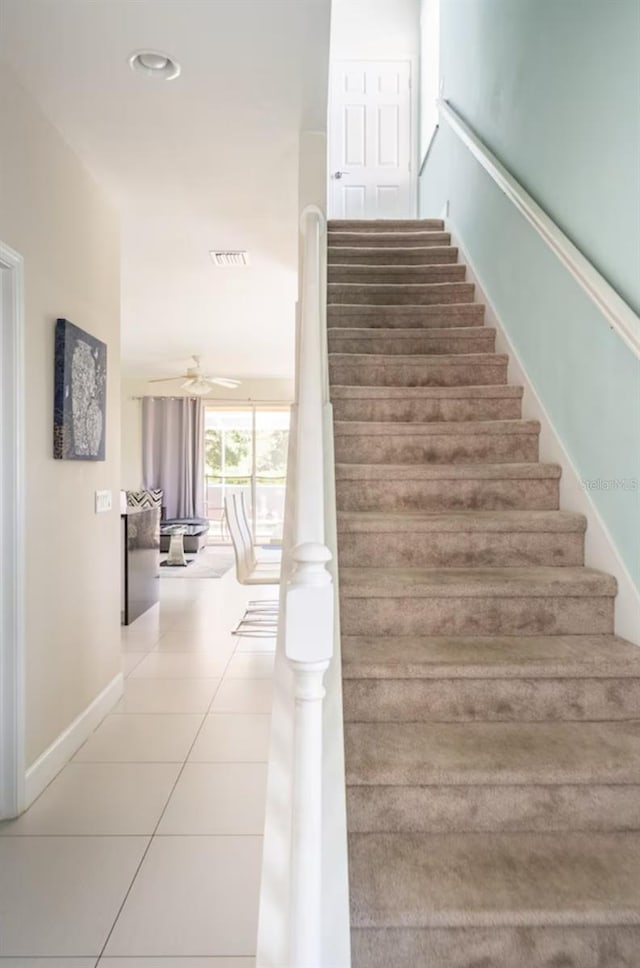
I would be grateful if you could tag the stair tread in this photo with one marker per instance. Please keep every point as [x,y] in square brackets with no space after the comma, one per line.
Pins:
[496,753]
[412,472]
[406,309]
[433,332]
[396,268]
[533,581]
[503,390]
[461,880]
[392,522]
[436,428]
[490,657]
[342,232]
[380,224]
[364,251]
[397,286]
[347,273]
[419,359]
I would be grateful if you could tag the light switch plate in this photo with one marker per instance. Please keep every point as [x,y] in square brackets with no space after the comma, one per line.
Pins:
[103,501]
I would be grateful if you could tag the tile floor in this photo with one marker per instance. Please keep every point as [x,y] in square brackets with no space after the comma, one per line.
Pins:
[145,851]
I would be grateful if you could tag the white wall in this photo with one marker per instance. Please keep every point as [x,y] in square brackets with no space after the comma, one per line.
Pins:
[250,391]
[55,216]
[375,29]
[429,70]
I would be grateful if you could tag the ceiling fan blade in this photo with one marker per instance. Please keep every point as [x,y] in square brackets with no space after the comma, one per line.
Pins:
[166,379]
[224,382]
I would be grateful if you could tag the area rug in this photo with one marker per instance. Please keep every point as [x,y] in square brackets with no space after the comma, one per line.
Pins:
[209,563]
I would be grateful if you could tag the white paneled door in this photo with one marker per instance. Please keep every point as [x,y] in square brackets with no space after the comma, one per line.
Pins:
[370,172]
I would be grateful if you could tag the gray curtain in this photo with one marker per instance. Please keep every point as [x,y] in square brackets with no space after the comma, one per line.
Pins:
[173,453]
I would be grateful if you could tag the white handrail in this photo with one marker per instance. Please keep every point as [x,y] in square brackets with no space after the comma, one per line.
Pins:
[309,611]
[427,153]
[622,319]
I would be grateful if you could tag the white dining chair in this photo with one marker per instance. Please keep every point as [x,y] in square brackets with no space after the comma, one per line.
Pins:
[261,616]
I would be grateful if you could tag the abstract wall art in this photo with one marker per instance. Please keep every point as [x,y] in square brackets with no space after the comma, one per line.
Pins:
[80,394]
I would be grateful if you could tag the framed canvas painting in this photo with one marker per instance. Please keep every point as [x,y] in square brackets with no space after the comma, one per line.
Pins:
[80,394]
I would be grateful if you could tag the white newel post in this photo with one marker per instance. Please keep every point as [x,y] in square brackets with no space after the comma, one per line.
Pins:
[309,631]
[309,620]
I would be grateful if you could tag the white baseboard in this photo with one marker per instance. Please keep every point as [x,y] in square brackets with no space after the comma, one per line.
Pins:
[49,763]
[600,549]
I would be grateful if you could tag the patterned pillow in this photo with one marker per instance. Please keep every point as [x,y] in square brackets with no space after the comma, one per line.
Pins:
[144,499]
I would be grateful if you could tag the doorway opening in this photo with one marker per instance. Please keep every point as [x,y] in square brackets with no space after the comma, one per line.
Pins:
[12,538]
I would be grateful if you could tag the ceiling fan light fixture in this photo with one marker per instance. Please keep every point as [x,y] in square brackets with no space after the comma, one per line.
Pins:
[154,63]
[197,385]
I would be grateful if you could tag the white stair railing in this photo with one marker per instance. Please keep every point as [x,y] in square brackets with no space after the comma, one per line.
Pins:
[304,894]
[309,625]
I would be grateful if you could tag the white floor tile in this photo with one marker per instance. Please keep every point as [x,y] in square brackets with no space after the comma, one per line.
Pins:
[141,634]
[243,696]
[233,737]
[254,643]
[169,963]
[192,895]
[130,660]
[99,799]
[144,738]
[250,665]
[196,640]
[148,620]
[59,895]
[167,695]
[217,798]
[138,646]
[47,962]
[180,665]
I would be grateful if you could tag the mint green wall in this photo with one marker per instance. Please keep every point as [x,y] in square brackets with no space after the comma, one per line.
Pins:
[552,87]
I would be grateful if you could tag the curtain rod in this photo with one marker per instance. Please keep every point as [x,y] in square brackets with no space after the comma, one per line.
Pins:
[246,402]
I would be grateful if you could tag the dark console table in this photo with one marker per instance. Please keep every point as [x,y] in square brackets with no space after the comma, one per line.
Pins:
[141,565]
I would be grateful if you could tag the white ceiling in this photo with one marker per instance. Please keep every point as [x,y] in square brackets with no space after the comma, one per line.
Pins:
[207,161]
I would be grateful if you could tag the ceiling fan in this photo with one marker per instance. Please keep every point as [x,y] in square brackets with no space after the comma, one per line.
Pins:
[195,381]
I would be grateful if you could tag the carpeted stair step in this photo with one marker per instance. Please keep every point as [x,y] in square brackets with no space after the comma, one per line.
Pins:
[450,340]
[604,946]
[468,754]
[385,225]
[461,539]
[476,601]
[486,657]
[403,317]
[418,294]
[444,442]
[492,776]
[388,240]
[447,487]
[425,404]
[521,900]
[462,369]
[379,256]
[396,274]
[529,697]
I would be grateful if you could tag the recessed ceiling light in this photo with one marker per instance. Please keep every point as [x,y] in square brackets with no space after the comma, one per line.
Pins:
[154,63]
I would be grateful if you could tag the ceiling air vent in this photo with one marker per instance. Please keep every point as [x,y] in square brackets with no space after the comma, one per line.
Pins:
[229,258]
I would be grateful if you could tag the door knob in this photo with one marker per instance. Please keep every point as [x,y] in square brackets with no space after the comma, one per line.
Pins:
[339,174]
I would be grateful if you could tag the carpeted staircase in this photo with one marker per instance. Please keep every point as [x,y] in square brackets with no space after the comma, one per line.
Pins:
[492,718]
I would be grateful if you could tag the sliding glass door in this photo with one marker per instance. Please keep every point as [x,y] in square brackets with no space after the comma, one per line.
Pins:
[246,450]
